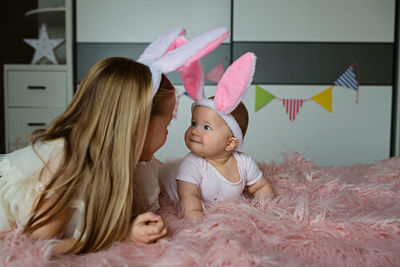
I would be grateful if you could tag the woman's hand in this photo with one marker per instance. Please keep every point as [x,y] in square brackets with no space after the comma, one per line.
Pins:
[147,228]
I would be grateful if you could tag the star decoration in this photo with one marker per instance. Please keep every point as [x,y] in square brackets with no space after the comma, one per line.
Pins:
[44,46]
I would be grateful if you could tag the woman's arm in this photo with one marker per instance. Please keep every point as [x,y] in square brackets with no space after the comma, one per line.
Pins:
[262,189]
[189,195]
[54,229]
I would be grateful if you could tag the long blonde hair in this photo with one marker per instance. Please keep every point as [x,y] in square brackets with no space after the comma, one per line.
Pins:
[104,129]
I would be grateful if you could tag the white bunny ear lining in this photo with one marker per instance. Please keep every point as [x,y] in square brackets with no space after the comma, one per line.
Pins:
[230,90]
[166,54]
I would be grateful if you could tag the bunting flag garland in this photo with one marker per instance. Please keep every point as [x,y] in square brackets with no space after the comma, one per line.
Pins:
[349,79]
[263,97]
[324,99]
[216,73]
[292,107]
[175,112]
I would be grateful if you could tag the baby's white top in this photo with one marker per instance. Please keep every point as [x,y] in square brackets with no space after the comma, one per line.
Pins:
[213,186]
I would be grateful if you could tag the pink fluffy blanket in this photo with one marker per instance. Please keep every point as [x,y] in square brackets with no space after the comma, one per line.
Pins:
[331,216]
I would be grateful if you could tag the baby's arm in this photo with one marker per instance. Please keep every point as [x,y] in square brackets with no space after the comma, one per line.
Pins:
[262,189]
[189,195]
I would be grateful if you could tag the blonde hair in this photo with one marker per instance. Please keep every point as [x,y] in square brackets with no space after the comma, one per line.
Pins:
[104,129]
[159,107]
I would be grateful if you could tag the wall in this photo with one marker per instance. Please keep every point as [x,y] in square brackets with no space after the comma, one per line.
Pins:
[302,48]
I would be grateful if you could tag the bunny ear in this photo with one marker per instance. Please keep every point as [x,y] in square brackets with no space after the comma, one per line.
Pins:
[234,83]
[192,75]
[193,50]
[162,44]
[193,80]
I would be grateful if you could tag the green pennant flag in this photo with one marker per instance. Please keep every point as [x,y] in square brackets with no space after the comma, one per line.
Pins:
[263,97]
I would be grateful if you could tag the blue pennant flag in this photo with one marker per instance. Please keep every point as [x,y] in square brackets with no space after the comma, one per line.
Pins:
[348,79]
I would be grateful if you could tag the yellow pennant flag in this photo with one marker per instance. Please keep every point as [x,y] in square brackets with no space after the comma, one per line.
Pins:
[324,99]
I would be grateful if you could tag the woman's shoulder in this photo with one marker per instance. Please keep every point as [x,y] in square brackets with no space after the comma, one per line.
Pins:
[39,151]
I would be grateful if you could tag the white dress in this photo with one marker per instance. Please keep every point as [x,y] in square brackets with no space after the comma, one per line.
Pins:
[20,185]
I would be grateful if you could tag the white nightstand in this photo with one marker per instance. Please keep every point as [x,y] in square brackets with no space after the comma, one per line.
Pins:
[36,94]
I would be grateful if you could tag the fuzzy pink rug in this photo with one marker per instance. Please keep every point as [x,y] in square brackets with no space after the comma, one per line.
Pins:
[332,216]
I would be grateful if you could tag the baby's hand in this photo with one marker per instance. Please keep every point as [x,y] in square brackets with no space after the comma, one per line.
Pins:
[147,228]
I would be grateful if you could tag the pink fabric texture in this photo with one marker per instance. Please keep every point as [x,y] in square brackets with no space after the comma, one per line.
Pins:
[207,49]
[164,43]
[193,50]
[192,76]
[234,83]
[331,216]
[161,57]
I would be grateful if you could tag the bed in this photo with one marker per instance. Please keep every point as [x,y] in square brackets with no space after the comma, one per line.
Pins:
[321,216]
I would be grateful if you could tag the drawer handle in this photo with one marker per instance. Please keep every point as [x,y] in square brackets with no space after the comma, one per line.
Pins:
[36,87]
[36,124]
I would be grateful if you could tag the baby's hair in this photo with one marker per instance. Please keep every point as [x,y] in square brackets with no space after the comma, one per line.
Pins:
[241,116]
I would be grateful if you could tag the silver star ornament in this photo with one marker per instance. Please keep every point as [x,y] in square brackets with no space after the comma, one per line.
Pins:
[44,46]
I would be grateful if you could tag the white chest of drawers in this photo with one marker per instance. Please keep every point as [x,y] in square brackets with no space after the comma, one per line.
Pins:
[34,96]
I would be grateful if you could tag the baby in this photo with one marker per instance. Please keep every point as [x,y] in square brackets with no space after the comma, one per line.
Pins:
[215,169]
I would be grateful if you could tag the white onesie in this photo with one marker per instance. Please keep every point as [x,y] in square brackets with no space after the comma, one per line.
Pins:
[213,186]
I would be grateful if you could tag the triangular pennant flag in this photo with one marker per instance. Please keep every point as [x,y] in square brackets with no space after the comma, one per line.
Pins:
[263,97]
[175,112]
[324,99]
[216,73]
[292,107]
[348,79]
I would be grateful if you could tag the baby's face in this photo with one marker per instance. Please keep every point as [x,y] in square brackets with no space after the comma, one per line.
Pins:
[208,134]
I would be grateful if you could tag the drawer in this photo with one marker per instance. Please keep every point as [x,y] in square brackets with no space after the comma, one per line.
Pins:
[37,88]
[24,120]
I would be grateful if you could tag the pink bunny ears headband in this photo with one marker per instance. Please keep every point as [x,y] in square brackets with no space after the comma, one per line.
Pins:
[230,90]
[171,51]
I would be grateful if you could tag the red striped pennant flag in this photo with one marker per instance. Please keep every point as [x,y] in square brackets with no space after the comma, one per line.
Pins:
[216,73]
[292,107]
[175,112]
